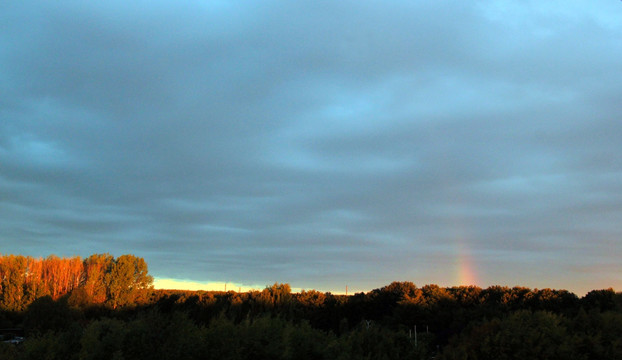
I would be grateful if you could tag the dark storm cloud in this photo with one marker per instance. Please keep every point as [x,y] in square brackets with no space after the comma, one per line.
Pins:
[316,143]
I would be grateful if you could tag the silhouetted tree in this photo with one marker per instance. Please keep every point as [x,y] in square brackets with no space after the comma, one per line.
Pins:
[46,314]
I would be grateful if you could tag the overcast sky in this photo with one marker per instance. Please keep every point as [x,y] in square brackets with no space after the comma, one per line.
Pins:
[318,143]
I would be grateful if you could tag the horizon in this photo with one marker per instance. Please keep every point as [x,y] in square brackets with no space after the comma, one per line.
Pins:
[162,283]
[189,285]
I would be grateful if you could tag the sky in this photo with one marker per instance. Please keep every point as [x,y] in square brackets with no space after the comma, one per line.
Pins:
[322,144]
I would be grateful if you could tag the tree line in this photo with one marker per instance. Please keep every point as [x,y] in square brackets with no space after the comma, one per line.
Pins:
[397,321]
[98,279]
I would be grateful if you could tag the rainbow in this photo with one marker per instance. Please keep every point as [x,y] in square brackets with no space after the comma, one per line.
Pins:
[466,273]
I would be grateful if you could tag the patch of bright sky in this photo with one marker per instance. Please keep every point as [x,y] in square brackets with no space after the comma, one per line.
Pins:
[521,13]
[301,159]
[477,96]
[38,152]
[180,284]
[347,112]
[525,184]
[212,228]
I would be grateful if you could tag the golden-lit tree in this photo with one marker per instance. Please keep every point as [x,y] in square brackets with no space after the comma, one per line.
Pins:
[12,276]
[99,278]
[93,280]
[127,280]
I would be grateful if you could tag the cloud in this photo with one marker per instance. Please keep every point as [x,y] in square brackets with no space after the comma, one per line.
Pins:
[316,143]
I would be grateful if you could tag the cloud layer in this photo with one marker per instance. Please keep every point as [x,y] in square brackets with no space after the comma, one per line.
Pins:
[317,143]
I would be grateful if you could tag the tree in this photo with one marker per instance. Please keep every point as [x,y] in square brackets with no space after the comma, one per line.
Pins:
[280,293]
[46,314]
[8,351]
[521,335]
[127,280]
[12,274]
[154,335]
[93,281]
[103,339]
[602,300]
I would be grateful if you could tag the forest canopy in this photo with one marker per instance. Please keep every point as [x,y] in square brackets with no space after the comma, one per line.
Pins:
[104,307]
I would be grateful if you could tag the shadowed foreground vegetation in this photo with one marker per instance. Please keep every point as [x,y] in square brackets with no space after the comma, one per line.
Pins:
[105,308]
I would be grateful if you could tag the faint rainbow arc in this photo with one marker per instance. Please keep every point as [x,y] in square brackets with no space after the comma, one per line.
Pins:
[466,273]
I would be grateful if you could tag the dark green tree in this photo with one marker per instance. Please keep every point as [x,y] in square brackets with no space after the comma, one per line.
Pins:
[103,340]
[46,314]
[521,335]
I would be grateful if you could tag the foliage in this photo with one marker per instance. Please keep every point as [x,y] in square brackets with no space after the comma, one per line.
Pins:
[521,335]
[8,351]
[45,314]
[126,281]
[105,308]
[103,339]
[98,279]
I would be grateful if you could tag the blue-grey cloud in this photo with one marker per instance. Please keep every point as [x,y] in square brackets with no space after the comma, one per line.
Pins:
[316,143]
